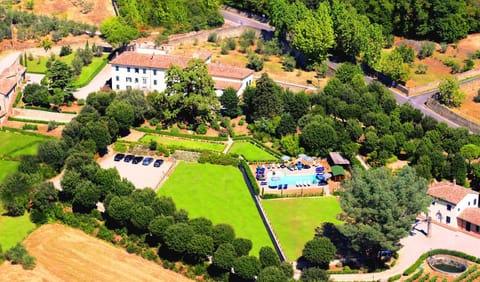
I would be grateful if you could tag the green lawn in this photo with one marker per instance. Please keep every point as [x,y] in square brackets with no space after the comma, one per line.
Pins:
[183,143]
[294,220]
[38,65]
[14,230]
[251,152]
[15,144]
[220,194]
[7,168]
[90,71]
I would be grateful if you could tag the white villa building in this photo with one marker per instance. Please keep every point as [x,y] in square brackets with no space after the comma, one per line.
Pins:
[455,206]
[139,70]
[12,73]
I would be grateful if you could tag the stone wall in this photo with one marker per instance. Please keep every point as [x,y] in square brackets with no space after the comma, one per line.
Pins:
[202,36]
[454,117]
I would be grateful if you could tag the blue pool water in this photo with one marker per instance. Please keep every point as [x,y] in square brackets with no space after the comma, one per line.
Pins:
[291,180]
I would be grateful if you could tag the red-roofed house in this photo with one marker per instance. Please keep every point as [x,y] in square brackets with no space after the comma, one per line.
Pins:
[469,220]
[11,76]
[449,203]
[136,70]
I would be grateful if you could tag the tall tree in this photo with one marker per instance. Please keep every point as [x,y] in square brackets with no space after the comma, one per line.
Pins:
[230,100]
[313,35]
[60,75]
[266,102]
[449,93]
[381,208]
[117,32]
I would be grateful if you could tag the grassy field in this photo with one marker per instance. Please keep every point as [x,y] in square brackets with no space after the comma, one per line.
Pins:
[14,229]
[183,143]
[15,144]
[251,152]
[220,194]
[7,168]
[294,220]
[38,65]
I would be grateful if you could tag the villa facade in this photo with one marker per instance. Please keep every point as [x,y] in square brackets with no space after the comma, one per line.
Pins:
[12,73]
[139,70]
[455,206]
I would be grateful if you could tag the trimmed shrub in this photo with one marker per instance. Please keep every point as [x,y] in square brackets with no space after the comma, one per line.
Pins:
[212,37]
[217,158]
[394,278]
[250,176]
[201,129]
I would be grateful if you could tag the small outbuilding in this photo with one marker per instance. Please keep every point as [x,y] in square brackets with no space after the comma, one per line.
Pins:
[336,159]
[338,173]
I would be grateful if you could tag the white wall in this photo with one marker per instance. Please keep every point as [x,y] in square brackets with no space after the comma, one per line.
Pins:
[439,211]
[122,78]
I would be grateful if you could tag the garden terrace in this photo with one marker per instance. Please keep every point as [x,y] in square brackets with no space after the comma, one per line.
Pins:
[182,143]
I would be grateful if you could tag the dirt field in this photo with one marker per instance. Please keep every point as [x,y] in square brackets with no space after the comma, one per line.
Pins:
[470,109]
[67,254]
[66,9]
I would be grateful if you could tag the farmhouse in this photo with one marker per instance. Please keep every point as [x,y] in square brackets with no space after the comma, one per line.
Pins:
[455,206]
[138,70]
[11,76]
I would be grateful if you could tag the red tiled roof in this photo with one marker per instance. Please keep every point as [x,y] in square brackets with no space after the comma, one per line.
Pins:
[158,61]
[219,70]
[6,85]
[449,192]
[471,215]
[222,85]
[136,59]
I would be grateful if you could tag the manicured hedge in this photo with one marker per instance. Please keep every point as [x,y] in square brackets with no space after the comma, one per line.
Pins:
[218,158]
[192,136]
[250,176]
[424,256]
[11,129]
[394,278]
[33,120]
[466,273]
[346,271]
[415,276]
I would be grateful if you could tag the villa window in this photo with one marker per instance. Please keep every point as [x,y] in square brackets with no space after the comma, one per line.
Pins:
[136,70]
[468,203]
[144,80]
[136,79]
[448,219]
[117,78]
[449,207]
[433,203]
[116,68]
[118,87]
[478,228]
[144,71]
[128,79]
[128,69]
[154,72]
[155,82]
[474,202]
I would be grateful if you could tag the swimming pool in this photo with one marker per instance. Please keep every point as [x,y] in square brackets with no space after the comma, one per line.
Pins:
[291,180]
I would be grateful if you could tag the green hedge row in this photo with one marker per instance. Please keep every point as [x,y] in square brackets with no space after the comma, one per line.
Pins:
[394,278]
[191,136]
[218,158]
[346,271]
[424,278]
[11,129]
[250,176]
[473,277]
[424,256]
[48,110]
[415,276]
[33,120]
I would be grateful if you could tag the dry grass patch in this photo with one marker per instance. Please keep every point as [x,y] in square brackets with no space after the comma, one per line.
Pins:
[66,254]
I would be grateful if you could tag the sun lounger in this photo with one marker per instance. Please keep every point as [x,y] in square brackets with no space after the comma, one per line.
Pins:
[279,186]
[285,186]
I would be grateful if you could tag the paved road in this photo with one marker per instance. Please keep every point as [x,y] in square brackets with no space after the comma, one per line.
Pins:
[416,245]
[243,19]
[42,115]
[96,83]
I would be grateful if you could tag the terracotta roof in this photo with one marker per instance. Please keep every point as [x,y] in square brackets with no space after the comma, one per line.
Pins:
[471,215]
[160,61]
[136,59]
[219,70]
[449,192]
[222,85]
[6,85]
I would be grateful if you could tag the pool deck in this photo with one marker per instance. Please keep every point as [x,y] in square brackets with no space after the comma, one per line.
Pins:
[312,189]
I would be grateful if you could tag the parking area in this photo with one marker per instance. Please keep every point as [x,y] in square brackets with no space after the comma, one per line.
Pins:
[139,174]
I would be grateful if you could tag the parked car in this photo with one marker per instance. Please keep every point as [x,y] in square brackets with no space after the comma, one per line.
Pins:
[147,161]
[128,158]
[118,157]
[158,163]
[137,159]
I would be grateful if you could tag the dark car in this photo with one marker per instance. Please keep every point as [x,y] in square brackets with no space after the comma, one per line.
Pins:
[147,161]
[136,160]
[118,157]
[158,163]
[128,158]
